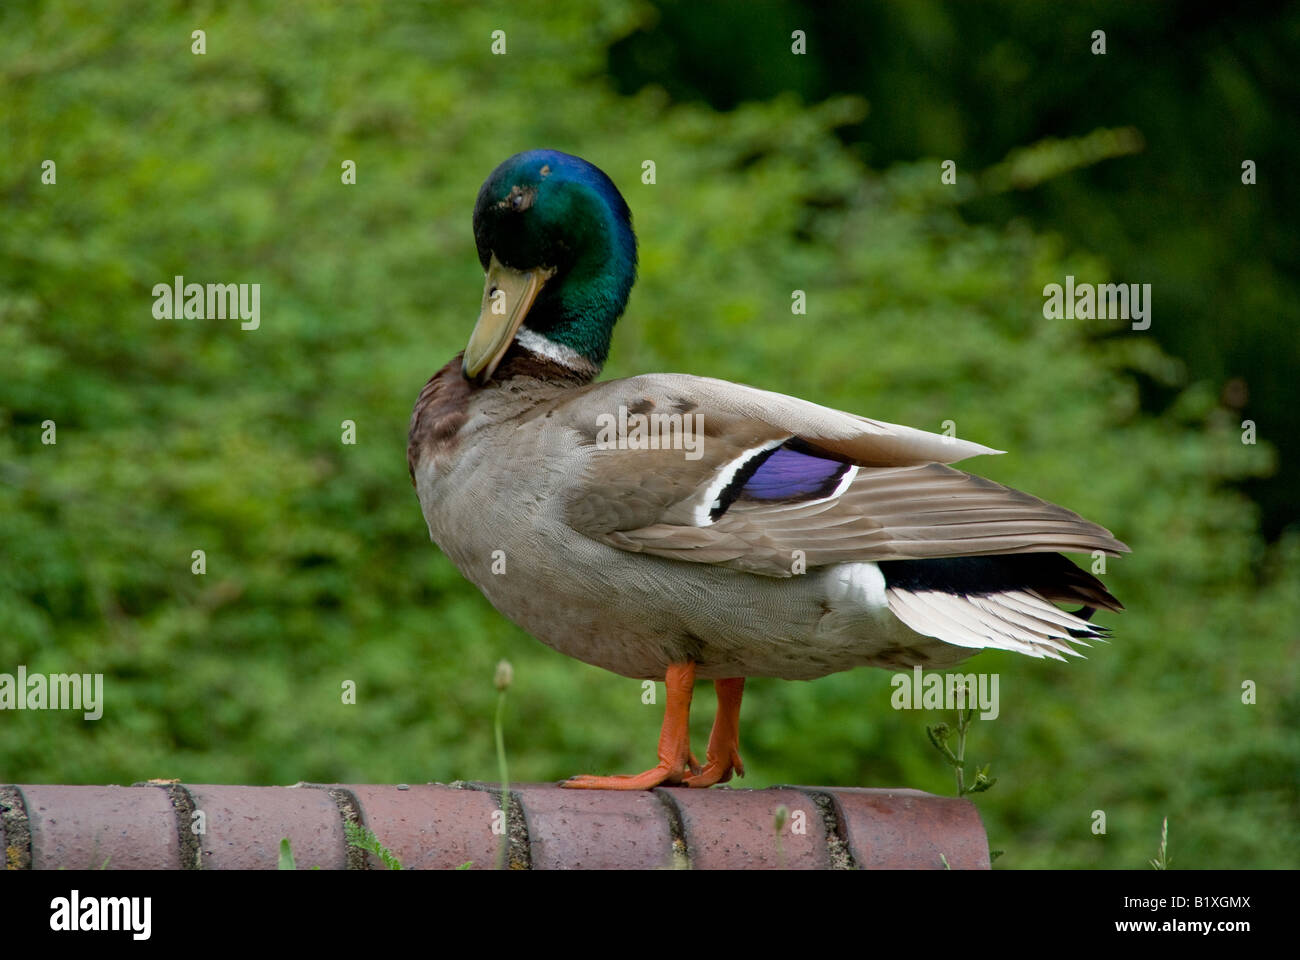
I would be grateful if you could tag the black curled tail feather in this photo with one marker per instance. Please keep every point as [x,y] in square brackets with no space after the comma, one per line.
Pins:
[1051,575]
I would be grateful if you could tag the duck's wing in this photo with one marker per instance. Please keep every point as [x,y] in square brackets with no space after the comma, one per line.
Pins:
[773,485]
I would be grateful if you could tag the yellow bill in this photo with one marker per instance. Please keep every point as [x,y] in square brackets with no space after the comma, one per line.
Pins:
[508,295]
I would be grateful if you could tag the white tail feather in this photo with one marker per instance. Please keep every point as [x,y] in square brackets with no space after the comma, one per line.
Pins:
[1021,620]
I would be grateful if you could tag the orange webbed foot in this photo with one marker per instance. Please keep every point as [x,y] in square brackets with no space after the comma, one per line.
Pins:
[723,755]
[716,770]
[675,756]
[656,775]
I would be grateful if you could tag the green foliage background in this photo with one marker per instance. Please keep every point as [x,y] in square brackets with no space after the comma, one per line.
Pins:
[192,434]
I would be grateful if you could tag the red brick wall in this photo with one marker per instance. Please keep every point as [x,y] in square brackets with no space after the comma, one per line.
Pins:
[440,826]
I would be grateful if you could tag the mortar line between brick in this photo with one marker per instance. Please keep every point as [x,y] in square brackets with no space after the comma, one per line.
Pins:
[676,828]
[189,848]
[837,836]
[519,850]
[350,810]
[18,828]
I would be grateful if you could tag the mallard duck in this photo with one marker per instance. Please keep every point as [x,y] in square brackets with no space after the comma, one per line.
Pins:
[674,527]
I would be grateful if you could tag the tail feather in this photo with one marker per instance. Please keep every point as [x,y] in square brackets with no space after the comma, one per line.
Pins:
[1000,602]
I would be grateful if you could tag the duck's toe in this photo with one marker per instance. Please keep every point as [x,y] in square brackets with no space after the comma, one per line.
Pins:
[656,775]
[717,770]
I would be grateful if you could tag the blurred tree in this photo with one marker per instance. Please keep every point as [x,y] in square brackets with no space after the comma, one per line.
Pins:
[1207,86]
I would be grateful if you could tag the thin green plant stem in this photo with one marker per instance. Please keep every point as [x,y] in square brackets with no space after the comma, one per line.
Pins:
[963,724]
[504,773]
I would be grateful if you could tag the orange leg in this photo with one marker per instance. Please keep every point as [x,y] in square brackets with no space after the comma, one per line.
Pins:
[674,740]
[723,755]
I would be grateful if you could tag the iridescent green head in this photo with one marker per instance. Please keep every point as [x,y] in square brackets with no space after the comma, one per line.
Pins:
[555,237]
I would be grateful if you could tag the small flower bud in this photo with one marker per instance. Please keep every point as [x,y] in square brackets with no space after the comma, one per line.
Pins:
[782,814]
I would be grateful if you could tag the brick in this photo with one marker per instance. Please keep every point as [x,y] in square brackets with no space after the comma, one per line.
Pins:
[244,826]
[908,830]
[437,826]
[94,828]
[430,826]
[595,829]
[735,829]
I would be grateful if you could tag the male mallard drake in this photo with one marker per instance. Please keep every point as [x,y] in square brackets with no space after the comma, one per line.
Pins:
[756,535]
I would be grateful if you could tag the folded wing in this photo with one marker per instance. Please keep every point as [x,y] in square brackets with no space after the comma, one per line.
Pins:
[776,484]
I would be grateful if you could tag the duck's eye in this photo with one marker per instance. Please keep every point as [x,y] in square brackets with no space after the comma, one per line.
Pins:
[518,199]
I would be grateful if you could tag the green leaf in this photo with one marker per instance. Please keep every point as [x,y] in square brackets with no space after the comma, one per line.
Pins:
[286,856]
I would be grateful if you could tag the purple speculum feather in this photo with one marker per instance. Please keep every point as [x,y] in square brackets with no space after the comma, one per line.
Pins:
[789,474]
